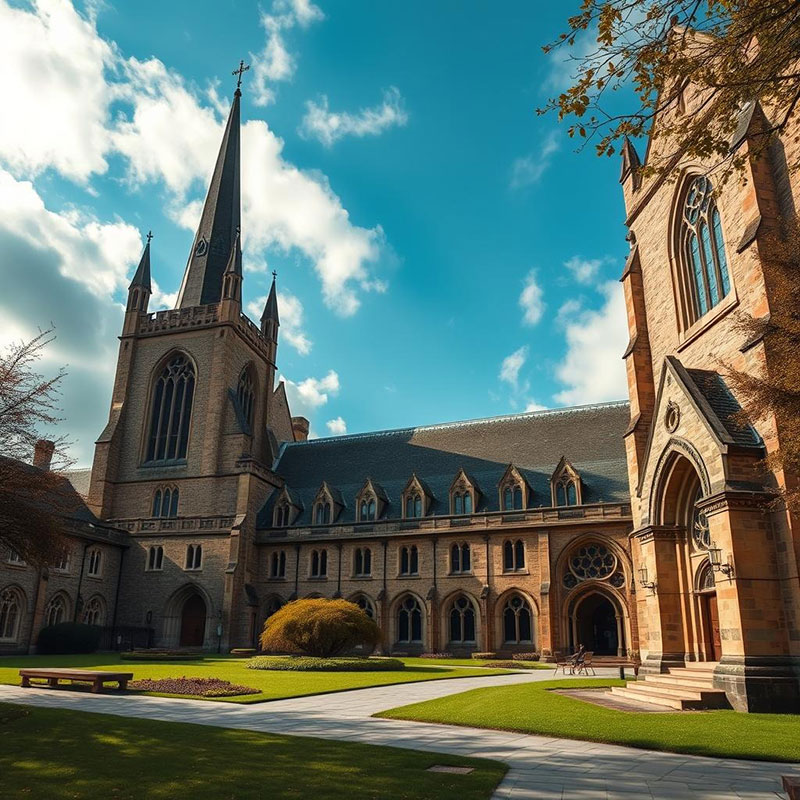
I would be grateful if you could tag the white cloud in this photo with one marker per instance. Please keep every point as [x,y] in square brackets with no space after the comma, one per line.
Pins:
[63,268]
[330,126]
[593,370]
[569,309]
[312,393]
[533,406]
[167,132]
[512,364]
[531,300]
[290,311]
[527,170]
[337,427]
[585,270]
[275,63]
[55,97]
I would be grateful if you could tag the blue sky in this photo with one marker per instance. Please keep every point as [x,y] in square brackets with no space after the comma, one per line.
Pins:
[442,251]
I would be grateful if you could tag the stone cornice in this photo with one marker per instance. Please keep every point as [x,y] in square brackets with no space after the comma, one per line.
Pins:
[732,499]
[650,533]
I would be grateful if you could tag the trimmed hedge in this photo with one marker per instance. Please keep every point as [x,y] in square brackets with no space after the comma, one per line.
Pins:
[310,664]
[68,638]
[484,655]
[160,655]
[319,627]
[515,664]
[525,656]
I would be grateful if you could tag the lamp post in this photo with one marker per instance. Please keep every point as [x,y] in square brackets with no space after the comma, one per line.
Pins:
[715,559]
[644,582]
[219,638]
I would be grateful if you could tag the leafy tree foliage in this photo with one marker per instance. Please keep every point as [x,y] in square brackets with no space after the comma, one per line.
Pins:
[319,627]
[34,503]
[732,52]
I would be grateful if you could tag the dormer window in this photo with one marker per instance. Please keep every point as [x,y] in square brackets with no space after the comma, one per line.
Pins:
[285,511]
[566,485]
[371,501]
[415,499]
[327,505]
[513,490]
[367,509]
[462,494]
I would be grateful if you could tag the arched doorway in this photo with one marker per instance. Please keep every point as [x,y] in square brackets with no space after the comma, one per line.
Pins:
[707,594]
[596,624]
[193,622]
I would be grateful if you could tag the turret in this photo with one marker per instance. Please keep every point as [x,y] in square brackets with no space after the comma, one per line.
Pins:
[139,291]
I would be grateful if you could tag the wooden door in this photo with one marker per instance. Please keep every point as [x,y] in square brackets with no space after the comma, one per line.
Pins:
[713,624]
[193,622]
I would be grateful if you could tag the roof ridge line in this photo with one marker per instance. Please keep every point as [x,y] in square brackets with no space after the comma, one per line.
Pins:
[458,423]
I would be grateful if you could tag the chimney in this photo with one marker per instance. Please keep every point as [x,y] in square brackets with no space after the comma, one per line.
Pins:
[300,429]
[43,454]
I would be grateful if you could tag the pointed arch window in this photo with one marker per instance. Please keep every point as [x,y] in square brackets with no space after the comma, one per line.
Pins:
[362,562]
[365,604]
[56,611]
[194,556]
[367,508]
[414,505]
[277,564]
[409,621]
[702,250]
[517,621]
[165,502]
[95,563]
[282,514]
[322,512]
[245,395]
[513,555]
[512,498]
[409,560]
[462,621]
[460,558]
[94,613]
[319,563]
[462,502]
[171,410]
[10,614]
[155,558]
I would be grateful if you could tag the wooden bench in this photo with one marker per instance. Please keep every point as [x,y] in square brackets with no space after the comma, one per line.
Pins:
[97,679]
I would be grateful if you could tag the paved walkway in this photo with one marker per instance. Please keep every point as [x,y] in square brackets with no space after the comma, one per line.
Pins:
[540,767]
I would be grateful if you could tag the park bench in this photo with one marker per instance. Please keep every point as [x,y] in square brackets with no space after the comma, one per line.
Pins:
[97,679]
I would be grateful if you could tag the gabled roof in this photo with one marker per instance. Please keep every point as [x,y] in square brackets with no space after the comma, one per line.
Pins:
[591,436]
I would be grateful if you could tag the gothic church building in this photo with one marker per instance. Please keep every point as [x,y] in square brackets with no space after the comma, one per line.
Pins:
[631,528]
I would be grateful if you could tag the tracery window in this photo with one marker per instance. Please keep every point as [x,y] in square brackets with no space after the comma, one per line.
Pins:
[365,604]
[409,560]
[194,556]
[566,493]
[245,394]
[701,534]
[362,562]
[56,611]
[10,615]
[462,621]
[513,555]
[171,410]
[95,563]
[94,613]
[517,621]
[277,564]
[165,502]
[409,621]
[593,561]
[512,498]
[702,249]
[460,558]
[319,563]
[155,558]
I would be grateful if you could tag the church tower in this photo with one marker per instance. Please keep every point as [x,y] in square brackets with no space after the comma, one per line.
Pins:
[184,462]
[716,568]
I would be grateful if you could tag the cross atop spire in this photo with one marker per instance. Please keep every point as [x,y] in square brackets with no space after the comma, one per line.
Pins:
[149,236]
[240,71]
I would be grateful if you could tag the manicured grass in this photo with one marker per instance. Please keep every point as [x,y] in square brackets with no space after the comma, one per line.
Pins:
[54,754]
[531,708]
[274,685]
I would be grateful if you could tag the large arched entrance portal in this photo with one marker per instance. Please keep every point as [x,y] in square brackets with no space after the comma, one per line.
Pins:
[193,622]
[597,625]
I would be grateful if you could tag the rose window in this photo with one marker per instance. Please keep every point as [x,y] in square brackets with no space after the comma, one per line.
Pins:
[592,562]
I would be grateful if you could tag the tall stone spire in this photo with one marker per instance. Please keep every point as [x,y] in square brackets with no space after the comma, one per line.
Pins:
[141,277]
[270,313]
[202,281]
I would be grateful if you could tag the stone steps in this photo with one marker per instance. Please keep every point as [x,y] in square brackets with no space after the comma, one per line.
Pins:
[681,688]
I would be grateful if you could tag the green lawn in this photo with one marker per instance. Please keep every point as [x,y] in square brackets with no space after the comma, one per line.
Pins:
[54,753]
[531,708]
[274,685]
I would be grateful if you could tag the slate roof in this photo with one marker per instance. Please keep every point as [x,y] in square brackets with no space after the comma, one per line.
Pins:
[589,436]
[713,388]
[80,480]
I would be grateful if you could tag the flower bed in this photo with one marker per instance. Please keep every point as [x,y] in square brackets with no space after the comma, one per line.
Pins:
[436,655]
[309,664]
[515,664]
[525,656]
[199,687]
